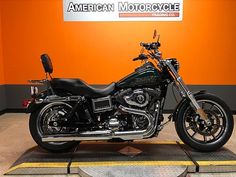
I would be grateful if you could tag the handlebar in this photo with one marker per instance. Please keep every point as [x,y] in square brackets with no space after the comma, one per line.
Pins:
[146,45]
[150,46]
[155,54]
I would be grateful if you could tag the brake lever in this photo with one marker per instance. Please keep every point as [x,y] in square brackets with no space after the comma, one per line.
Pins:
[141,57]
[135,59]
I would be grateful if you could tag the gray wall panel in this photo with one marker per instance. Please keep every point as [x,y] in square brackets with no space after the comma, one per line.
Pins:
[225,92]
[2,98]
[15,94]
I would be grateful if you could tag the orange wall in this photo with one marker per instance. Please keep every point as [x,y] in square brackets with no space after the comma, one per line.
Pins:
[1,56]
[100,52]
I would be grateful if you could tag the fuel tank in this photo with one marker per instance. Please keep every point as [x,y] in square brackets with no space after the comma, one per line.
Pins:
[145,76]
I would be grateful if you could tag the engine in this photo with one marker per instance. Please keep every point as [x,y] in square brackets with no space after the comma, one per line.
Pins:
[138,98]
[111,117]
[144,99]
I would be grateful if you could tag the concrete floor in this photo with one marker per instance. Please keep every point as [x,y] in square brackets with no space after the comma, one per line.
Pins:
[15,139]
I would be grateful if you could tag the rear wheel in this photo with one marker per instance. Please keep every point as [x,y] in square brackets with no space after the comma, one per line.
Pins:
[192,130]
[39,125]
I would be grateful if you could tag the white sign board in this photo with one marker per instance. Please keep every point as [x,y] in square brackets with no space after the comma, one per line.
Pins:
[123,10]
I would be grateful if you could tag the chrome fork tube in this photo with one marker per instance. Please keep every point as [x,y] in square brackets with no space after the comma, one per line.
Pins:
[185,92]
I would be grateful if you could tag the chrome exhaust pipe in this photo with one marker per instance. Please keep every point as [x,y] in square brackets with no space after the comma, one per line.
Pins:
[84,136]
[145,133]
[109,134]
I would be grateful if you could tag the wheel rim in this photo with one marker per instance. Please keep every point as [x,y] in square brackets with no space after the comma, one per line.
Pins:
[51,112]
[198,131]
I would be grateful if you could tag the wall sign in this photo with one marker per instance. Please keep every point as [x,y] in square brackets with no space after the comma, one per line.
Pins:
[123,10]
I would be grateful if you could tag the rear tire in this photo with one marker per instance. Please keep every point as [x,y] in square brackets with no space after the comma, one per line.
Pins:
[185,123]
[37,136]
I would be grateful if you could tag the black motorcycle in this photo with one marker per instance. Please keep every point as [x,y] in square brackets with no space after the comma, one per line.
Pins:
[70,111]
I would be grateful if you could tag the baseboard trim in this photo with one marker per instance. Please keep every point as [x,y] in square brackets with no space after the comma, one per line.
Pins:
[2,112]
[17,110]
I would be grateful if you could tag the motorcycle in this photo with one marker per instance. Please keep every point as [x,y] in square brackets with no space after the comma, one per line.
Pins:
[70,111]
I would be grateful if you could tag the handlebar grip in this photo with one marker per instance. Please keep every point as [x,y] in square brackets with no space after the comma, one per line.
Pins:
[144,44]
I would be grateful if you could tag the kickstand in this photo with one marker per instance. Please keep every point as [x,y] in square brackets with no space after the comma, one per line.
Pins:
[160,127]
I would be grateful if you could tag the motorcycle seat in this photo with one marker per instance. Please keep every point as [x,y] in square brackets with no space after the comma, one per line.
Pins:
[79,87]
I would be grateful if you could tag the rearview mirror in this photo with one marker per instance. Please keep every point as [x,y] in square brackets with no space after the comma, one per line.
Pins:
[154,34]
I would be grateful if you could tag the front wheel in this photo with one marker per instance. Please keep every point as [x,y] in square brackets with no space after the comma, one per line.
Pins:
[192,129]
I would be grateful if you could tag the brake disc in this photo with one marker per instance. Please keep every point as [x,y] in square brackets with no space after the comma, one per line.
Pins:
[200,127]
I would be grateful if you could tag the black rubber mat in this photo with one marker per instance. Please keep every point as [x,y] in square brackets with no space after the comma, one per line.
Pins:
[219,155]
[222,160]
[110,152]
[37,154]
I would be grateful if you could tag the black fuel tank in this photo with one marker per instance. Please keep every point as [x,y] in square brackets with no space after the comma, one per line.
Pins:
[144,76]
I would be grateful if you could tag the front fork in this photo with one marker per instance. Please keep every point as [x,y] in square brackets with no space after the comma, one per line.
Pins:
[185,92]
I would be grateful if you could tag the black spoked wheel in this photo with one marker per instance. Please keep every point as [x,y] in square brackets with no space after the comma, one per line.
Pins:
[46,122]
[192,129]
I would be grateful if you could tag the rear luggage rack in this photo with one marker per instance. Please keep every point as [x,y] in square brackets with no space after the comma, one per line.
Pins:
[38,81]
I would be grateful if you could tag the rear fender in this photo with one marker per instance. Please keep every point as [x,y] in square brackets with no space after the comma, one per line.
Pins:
[183,102]
[33,106]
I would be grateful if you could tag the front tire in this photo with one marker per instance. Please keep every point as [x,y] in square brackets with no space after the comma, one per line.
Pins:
[35,126]
[192,130]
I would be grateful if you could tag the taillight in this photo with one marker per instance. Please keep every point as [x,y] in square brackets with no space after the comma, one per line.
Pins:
[26,102]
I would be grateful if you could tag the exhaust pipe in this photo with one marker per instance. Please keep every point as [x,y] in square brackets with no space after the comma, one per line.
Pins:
[108,134]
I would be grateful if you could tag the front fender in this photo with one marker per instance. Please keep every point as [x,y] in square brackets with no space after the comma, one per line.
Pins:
[183,101]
